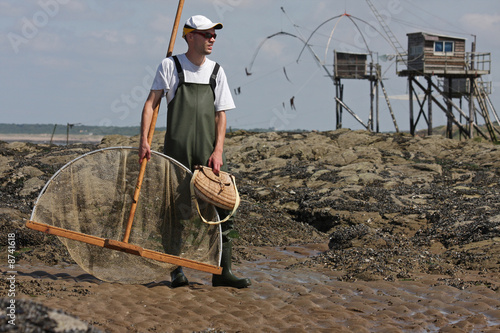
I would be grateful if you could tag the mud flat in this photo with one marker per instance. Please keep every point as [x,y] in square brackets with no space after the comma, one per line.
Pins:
[344,231]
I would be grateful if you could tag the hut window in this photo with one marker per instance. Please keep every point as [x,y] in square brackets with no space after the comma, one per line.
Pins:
[443,47]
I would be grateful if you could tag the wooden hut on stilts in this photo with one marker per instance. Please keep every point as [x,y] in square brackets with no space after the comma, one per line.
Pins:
[355,66]
[452,72]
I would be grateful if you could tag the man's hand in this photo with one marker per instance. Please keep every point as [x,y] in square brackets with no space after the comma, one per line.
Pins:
[144,152]
[215,162]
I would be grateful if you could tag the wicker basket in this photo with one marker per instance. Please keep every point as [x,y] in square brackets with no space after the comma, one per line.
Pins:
[218,190]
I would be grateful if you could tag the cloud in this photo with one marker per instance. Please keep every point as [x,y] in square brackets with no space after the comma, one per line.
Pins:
[487,24]
[114,36]
[55,63]
[162,23]
[9,10]
[78,7]
[273,48]
[483,22]
[47,42]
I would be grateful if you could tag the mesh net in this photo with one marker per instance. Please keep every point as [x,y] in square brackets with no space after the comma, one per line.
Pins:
[93,195]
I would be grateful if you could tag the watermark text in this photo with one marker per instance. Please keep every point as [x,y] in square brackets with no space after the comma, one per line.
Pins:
[11,278]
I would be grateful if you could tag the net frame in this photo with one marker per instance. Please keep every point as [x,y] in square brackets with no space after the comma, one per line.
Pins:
[132,260]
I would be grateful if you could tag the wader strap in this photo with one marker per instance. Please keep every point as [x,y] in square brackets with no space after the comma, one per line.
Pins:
[213,77]
[180,72]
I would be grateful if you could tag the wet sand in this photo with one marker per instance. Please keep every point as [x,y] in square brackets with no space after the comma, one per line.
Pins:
[281,299]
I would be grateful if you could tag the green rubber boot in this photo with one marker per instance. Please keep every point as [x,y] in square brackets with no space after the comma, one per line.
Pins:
[178,278]
[227,278]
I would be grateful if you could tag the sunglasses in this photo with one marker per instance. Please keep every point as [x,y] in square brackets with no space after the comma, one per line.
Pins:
[207,35]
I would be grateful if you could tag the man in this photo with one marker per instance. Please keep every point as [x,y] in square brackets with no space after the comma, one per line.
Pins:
[197,95]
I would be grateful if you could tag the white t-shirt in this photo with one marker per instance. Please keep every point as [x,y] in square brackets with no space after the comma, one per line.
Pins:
[166,79]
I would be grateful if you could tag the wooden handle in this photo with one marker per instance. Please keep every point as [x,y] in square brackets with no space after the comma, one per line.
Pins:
[152,126]
[175,28]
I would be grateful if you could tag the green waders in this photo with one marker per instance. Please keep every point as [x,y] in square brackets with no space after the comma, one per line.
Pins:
[190,139]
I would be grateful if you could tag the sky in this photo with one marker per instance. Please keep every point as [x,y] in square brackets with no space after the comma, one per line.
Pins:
[92,62]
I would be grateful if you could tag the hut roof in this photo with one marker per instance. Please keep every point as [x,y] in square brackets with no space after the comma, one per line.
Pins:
[431,34]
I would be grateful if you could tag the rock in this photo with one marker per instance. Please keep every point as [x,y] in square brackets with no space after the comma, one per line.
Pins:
[30,171]
[34,317]
[20,146]
[4,164]
[32,185]
[116,141]
[342,238]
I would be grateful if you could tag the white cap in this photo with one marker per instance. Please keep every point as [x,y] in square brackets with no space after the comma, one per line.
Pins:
[199,22]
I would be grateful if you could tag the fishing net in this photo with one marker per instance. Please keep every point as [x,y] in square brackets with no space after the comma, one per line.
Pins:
[93,195]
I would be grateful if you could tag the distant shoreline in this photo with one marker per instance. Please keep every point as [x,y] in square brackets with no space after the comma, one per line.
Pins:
[58,139]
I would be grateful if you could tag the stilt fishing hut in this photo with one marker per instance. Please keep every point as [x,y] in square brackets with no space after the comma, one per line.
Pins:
[457,74]
[352,66]
[355,66]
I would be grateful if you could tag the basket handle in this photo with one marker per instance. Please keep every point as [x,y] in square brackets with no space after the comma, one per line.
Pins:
[193,196]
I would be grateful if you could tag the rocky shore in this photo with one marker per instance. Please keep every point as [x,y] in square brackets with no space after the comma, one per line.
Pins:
[379,207]
[390,204]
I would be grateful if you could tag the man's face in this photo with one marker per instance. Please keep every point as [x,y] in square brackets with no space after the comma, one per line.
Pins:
[203,40]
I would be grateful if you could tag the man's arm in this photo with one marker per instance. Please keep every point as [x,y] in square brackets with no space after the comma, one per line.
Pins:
[151,103]
[215,160]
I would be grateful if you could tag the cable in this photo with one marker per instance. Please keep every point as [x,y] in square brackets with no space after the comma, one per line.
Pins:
[435,16]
